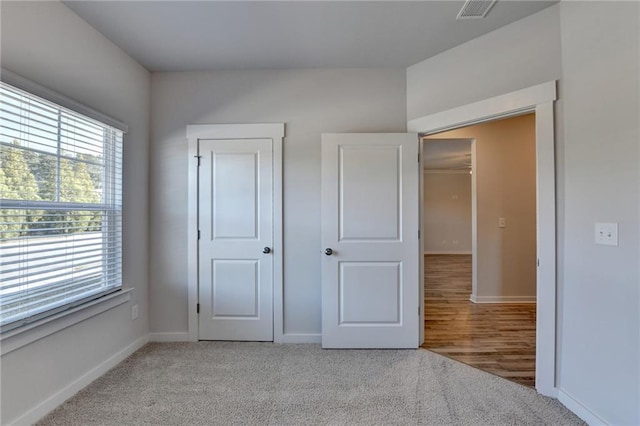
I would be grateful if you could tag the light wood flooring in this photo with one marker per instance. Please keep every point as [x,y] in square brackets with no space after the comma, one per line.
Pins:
[498,338]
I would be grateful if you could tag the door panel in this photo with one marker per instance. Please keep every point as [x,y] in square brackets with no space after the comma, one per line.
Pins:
[360,190]
[370,279]
[236,224]
[370,293]
[234,183]
[235,288]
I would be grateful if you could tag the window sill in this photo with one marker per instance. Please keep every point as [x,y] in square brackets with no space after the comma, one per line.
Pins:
[22,336]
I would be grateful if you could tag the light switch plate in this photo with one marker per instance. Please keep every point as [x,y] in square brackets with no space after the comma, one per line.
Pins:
[606,234]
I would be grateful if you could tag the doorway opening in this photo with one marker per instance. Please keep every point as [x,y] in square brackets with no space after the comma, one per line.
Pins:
[539,99]
[479,221]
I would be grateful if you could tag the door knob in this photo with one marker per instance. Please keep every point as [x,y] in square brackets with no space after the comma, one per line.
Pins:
[328,251]
[266,250]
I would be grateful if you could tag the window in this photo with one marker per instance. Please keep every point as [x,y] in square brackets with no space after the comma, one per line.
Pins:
[60,208]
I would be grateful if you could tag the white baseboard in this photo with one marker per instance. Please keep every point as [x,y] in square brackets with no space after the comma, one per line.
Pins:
[579,410]
[448,252]
[49,404]
[301,338]
[169,337]
[285,338]
[502,299]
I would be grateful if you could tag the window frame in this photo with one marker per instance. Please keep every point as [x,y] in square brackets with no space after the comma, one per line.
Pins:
[15,337]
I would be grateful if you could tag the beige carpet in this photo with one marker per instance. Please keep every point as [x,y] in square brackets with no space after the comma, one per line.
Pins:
[220,383]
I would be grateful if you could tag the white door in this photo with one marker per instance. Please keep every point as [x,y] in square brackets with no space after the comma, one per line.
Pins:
[235,215]
[370,223]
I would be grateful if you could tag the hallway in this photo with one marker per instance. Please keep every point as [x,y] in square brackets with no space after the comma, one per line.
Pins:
[497,338]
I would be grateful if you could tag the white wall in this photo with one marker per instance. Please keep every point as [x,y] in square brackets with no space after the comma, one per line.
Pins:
[592,49]
[447,212]
[600,358]
[487,66]
[505,173]
[309,102]
[47,43]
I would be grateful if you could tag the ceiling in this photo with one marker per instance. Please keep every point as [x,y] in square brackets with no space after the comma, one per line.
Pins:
[213,35]
[447,154]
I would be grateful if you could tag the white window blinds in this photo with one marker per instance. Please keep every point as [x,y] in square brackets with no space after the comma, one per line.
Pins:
[60,208]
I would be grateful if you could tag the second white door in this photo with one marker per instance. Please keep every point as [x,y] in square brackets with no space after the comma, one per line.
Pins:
[235,215]
[370,223]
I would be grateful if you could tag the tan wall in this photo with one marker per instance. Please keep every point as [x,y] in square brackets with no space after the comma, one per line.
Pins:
[447,212]
[506,187]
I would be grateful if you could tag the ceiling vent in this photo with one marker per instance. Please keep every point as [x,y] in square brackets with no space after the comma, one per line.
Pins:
[475,9]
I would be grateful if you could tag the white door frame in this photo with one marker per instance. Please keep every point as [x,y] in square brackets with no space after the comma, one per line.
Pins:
[538,99]
[275,132]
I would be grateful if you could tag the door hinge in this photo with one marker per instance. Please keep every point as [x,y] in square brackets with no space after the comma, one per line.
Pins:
[198,234]
[418,310]
[418,234]
[418,157]
[538,262]
[197,308]
[199,157]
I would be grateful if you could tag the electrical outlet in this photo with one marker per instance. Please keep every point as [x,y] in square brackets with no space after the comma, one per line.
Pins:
[502,222]
[606,234]
[134,312]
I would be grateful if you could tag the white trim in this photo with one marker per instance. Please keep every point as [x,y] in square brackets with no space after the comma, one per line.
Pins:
[540,99]
[474,219]
[169,337]
[275,132]
[22,336]
[301,338]
[508,105]
[467,252]
[546,248]
[278,242]
[236,131]
[192,239]
[421,242]
[579,410]
[49,404]
[502,299]
[34,88]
